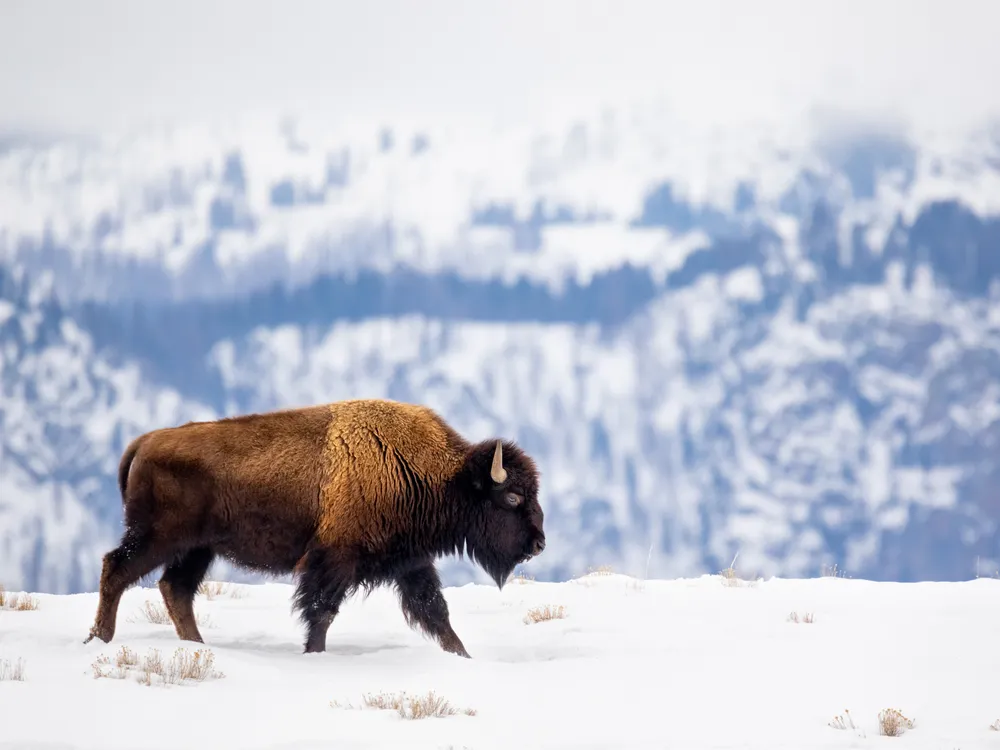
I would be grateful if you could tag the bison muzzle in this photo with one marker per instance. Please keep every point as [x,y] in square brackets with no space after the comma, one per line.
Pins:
[348,495]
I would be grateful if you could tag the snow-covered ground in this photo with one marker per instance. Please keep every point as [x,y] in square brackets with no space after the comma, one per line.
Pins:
[691,663]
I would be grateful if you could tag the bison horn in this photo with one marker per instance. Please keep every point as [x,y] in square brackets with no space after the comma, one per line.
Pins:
[497,472]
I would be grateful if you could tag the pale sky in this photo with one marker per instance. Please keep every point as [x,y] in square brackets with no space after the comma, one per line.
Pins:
[88,65]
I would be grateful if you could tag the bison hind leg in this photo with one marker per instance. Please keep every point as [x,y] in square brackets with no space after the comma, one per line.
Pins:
[326,580]
[134,558]
[178,585]
[423,604]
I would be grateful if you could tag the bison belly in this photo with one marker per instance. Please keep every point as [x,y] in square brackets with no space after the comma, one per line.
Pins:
[264,528]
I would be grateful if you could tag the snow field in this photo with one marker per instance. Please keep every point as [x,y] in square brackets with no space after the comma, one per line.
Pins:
[708,662]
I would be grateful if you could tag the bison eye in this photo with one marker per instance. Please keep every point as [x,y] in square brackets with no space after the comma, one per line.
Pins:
[513,499]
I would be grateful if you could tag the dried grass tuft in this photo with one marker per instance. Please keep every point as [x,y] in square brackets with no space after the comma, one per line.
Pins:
[158,615]
[833,571]
[521,578]
[892,722]
[151,669]
[995,726]
[217,589]
[152,612]
[732,579]
[839,722]
[22,602]
[806,617]
[410,707]
[541,614]
[11,671]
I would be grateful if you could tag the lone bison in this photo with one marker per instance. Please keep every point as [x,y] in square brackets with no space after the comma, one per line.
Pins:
[345,495]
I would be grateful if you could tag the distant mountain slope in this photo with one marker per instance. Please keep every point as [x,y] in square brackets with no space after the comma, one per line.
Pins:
[209,212]
[65,414]
[763,342]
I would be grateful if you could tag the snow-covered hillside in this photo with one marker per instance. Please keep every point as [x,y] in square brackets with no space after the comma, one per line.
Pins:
[686,663]
[779,341]
[210,210]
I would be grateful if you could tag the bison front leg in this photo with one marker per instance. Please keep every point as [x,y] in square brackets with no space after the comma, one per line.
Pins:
[423,604]
[321,590]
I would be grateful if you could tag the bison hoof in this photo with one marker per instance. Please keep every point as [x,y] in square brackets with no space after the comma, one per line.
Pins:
[456,647]
[96,632]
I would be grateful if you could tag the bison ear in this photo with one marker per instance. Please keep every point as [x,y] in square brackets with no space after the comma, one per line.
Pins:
[497,472]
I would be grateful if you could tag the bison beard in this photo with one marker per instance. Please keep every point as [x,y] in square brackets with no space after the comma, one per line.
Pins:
[348,495]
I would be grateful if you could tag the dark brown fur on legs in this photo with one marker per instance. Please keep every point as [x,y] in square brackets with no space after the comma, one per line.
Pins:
[348,495]
[178,586]
[424,605]
[324,584]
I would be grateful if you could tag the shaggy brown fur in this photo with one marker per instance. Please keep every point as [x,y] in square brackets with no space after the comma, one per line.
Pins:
[345,495]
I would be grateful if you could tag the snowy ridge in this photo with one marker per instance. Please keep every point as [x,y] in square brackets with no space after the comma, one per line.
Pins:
[259,201]
[656,654]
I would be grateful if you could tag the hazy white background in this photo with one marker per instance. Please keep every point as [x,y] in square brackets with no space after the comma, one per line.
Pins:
[68,65]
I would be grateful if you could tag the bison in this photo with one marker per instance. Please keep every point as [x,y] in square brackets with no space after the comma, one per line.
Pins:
[344,495]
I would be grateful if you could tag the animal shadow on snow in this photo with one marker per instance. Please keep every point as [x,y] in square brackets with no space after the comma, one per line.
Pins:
[267,644]
[524,654]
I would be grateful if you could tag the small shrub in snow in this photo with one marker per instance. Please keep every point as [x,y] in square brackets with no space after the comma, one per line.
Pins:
[541,614]
[806,617]
[892,722]
[521,578]
[11,671]
[995,726]
[216,589]
[149,669]
[600,570]
[410,707]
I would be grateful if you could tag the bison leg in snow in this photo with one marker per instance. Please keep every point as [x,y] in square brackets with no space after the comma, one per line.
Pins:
[321,590]
[423,604]
[178,585]
[123,566]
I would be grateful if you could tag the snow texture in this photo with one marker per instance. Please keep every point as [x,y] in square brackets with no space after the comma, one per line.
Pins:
[634,663]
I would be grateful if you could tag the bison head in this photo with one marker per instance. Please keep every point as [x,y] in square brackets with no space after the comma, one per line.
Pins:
[507,522]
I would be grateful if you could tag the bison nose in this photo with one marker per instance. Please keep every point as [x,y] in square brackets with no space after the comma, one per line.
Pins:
[538,546]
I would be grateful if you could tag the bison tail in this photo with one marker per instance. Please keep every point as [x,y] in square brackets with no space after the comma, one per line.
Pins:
[126,463]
